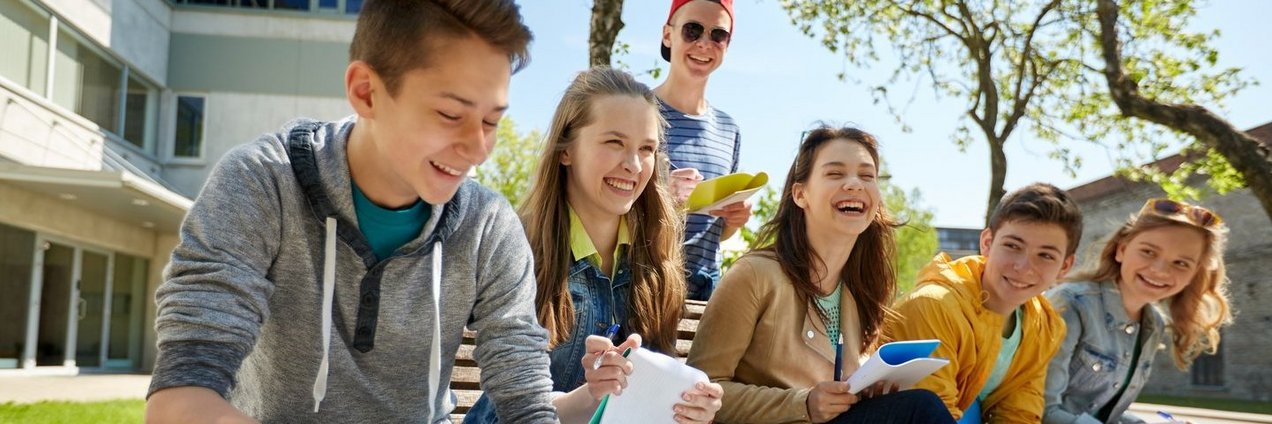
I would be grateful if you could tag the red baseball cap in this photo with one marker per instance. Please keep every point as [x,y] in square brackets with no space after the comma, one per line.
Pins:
[676,4]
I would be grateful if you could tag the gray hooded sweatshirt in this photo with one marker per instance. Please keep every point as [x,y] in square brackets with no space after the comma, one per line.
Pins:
[274,299]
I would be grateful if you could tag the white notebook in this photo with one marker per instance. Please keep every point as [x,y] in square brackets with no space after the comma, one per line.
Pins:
[653,388]
[903,363]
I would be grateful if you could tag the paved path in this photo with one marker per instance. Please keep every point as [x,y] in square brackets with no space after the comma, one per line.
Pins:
[92,387]
[84,387]
[1148,412]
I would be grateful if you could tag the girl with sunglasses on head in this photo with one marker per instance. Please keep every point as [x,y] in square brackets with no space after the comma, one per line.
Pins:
[702,142]
[1169,254]
[605,239]
[821,285]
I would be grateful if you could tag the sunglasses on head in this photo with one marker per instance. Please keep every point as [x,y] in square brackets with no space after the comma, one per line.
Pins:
[691,31]
[1195,214]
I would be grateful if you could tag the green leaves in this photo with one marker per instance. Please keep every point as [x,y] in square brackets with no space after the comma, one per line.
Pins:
[1036,63]
[512,163]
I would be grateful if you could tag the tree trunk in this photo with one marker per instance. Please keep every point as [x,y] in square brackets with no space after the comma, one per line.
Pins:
[607,21]
[1247,155]
[997,176]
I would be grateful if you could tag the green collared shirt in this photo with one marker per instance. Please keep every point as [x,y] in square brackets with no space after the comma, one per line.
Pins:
[582,247]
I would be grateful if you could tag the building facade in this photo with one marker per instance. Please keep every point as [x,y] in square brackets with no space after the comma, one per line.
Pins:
[958,242]
[1242,368]
[112,114]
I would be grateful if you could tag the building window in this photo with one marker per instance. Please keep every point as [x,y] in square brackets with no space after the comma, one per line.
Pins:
[24,39]
[86,82]
[349,7]
[17,253]
[1207,370]
[140,110]
[127,309]
[191,112]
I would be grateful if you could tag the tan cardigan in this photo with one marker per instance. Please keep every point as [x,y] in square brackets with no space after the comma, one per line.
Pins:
[765,347]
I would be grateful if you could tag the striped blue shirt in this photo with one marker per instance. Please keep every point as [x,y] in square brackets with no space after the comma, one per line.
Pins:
[709,143]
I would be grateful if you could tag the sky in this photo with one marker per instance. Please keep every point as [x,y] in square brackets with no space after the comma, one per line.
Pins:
[777,82]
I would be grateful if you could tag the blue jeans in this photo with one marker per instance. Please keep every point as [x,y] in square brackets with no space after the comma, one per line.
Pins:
[908,406]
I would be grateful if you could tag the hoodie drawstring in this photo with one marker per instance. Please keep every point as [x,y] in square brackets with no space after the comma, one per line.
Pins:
[328,290]
[435,353]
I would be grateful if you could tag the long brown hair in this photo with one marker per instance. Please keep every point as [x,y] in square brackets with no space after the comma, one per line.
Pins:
[1197,312]
[868,274]
[658,283]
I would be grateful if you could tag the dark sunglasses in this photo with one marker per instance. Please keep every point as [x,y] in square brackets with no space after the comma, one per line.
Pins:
[691,31]
[1196,214]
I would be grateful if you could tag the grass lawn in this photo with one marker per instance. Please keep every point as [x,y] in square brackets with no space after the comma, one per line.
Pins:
[1220,404]
[113,411]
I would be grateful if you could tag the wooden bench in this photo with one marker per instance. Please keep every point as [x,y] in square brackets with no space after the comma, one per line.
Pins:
[466,377]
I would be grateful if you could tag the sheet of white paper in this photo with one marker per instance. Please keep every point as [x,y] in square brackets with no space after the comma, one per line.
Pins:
[731,199]
[655,386]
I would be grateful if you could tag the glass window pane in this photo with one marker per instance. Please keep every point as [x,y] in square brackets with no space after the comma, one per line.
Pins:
[352,7]
[127,305]
[55,305]
[86,83]
[90,309]
[292,4]
[24,39]
[17,250]
[189,139]
[139,114]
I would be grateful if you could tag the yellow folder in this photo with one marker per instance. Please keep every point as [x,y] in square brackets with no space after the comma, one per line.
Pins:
[724,190]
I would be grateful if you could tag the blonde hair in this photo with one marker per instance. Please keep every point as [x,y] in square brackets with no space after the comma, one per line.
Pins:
[658,284]
[1197,312]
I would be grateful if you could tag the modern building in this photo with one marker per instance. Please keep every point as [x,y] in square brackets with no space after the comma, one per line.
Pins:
[1242,368]
[112,113]
[958,242]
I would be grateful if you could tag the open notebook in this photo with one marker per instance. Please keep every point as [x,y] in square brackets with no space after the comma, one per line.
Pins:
[655,386]
[903,363]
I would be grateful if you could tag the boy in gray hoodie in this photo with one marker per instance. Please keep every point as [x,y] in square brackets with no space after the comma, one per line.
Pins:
[326,272]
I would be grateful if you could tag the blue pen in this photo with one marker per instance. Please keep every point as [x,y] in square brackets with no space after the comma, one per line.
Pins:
[839,357]
[609,334]
[1166,415]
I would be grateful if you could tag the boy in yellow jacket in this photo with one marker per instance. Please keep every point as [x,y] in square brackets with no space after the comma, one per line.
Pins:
[994,326]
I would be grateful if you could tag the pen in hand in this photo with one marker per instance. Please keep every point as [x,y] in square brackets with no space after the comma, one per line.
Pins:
[609,334]
[839,358]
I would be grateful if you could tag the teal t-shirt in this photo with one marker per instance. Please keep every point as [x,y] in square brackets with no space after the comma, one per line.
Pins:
[972,415]
[1005,354]
[830,306]
[388,229]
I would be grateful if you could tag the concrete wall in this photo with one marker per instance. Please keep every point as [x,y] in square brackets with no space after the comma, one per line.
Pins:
[1247,366]
[233,119]
[49,215]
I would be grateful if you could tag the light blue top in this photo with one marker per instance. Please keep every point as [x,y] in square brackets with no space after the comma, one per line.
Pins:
[1005,354]
[830,306]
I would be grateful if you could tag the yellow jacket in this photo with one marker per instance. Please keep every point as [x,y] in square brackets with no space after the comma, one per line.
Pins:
[946,304]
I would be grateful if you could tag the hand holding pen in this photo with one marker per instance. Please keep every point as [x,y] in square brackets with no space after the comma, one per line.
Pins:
[604,367]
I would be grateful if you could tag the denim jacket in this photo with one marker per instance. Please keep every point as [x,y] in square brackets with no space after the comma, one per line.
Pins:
[1091,365]
[598,302]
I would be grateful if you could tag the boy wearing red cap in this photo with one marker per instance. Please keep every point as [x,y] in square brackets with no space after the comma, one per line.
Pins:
[702,141]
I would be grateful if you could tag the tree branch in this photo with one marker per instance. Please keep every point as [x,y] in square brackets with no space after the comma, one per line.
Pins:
[1247,155]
